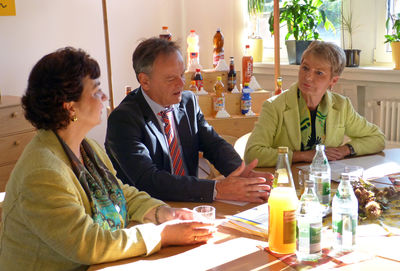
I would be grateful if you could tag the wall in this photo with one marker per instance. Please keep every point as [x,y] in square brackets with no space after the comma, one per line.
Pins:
[42,26]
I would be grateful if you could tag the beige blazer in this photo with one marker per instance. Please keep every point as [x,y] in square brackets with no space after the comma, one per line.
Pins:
[279,125]
[46,221]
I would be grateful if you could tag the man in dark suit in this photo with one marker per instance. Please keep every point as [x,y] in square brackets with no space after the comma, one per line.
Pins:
[154,137]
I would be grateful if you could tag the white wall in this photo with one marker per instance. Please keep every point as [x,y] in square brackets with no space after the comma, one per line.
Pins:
[42,26]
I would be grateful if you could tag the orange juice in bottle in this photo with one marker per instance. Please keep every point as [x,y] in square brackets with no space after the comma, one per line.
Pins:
[282,205]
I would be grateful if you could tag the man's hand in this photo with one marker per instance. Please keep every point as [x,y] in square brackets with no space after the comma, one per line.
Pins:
[249,172]
[243,188]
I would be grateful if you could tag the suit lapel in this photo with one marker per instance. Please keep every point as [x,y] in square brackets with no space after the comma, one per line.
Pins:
[152,122]
[292,119]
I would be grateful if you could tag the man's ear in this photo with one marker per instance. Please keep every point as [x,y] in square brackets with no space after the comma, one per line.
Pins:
[144,80]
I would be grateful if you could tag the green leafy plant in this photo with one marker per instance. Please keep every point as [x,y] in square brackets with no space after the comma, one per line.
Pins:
[302,19]
[395,36]
[256,7]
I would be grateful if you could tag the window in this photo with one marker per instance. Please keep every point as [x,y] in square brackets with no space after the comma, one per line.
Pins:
[258,26]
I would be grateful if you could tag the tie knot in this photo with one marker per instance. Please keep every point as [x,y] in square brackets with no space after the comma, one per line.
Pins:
[166,113]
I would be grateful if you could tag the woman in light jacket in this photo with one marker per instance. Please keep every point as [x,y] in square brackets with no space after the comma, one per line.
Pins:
[64,208]
[308,113]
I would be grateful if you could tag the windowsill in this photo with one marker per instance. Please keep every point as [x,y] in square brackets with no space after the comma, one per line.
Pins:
[379,72]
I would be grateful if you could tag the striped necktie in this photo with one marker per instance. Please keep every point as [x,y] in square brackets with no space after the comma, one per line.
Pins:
[174,149]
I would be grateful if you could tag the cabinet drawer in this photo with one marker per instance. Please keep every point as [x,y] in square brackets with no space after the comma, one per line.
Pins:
[12,146]
[12,120]
[5,172]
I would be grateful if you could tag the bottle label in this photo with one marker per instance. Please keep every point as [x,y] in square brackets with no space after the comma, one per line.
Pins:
[217,57]
[219,103]
[344,229]
[231,82]
[289,227]
[245,105]
[322,182]
[309,237]
[199,84]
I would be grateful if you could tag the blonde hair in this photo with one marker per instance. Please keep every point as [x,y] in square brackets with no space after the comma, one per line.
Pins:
[330,52]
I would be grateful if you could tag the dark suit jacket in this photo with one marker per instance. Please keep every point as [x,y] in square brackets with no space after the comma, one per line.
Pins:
[136,145]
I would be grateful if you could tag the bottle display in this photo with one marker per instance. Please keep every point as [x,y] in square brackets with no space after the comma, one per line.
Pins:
[231,75]
[165,33]
[193,86]
[320,174]
[247,66]
[219,99]
[192,46]
[194,62]
[218,52]
[278,89]
[282,205]
[344,216]
[198,78]
[128,89]
[309,225]
[245,101]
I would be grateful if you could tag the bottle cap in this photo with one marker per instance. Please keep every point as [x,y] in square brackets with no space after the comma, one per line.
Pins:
[197,70]
[219,78]
[218,29]
[247,46]
[283,149]
[165,28]
[192,31]
[246,84]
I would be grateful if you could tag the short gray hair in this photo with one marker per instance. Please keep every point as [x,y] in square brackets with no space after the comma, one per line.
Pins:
[148,50]
[330,52]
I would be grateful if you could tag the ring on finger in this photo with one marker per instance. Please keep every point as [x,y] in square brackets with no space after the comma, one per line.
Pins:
[195,238]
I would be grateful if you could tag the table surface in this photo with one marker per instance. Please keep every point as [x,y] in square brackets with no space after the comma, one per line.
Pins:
[233,250]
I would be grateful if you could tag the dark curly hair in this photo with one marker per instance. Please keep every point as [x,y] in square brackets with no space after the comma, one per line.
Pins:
[55,79]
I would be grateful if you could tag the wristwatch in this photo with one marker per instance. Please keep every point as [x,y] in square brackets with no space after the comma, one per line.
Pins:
[352,151]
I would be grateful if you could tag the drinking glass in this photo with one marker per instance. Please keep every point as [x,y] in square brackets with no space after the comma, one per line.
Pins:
[204,212]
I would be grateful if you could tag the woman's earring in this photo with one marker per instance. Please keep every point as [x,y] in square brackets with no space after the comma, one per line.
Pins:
[74,118]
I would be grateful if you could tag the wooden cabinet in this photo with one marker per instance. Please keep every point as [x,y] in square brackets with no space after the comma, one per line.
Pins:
[15,133]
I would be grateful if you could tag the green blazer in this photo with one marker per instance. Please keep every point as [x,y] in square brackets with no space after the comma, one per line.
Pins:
[46,220]
[279,125]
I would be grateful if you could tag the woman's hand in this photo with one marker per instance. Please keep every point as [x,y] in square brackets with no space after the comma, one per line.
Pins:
[303,156]
[337,153]
[166,213]
[180,232]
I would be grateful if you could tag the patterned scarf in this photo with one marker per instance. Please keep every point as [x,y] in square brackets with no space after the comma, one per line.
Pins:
[106,198]
[308,143]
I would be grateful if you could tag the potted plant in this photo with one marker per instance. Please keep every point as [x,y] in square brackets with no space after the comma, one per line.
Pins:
[302,19]
[352,55]
[394,38]
[256,9]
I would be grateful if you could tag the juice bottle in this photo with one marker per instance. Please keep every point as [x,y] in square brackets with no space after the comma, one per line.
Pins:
[278,89]
[165,33]
[245,100]
[219,99]
[282,205]
[193,87]
[218,52]
[247,66]
[192,45]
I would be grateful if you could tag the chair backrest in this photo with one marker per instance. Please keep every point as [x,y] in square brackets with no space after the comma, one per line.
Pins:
[240,144]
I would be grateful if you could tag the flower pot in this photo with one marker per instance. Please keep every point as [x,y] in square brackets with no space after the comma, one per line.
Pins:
[352,57]
[295,49]
[396,54]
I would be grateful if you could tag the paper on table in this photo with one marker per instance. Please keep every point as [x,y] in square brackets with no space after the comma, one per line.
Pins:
[252,221]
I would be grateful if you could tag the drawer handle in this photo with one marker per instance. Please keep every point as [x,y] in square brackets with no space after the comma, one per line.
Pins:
[14,114]
[17,142]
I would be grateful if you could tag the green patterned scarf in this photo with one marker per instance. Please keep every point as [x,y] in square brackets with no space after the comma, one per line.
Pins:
[102,189]
[308,143]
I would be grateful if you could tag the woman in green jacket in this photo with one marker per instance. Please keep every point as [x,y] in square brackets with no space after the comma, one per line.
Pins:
[308,113]
[64,208]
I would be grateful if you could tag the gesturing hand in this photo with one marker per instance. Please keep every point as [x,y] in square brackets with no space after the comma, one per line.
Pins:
[243,188]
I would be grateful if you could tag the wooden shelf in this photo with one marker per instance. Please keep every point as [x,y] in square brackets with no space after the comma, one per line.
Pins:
[236,125]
